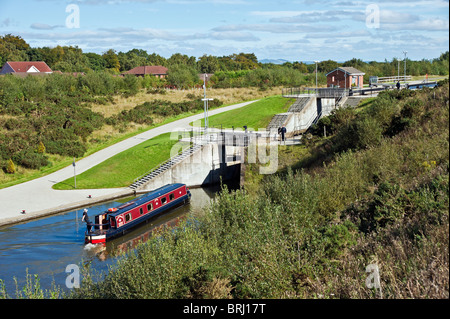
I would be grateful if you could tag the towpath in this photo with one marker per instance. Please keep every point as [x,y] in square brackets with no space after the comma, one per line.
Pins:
[37,198]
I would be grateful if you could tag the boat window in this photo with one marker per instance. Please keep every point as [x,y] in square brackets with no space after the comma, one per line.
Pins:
[150,207]
[163,200]
[127,217]
[171,196]
[141,211]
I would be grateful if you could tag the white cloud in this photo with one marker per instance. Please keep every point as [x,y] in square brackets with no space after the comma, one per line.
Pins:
[276,28]
[44,26]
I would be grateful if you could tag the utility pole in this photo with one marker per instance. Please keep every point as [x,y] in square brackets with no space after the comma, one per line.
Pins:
[404,52]
[205,102]
[316,71]
[204,99]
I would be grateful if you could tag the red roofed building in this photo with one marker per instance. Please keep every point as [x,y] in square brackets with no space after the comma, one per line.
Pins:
[156,70]
[25,67]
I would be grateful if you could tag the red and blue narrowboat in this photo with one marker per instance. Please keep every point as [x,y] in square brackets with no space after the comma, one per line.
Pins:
[119,220]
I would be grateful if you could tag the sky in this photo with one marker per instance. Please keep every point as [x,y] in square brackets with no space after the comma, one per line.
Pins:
[294,30]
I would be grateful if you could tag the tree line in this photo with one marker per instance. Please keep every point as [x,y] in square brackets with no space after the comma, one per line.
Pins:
[235,70]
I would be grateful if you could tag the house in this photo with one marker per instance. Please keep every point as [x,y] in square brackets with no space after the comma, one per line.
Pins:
[27,67]
[345,77]
[156,70]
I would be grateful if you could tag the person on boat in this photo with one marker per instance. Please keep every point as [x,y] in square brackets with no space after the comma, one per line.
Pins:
[85,218]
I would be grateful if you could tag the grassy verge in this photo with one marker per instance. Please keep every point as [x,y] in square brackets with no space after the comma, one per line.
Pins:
[121,169]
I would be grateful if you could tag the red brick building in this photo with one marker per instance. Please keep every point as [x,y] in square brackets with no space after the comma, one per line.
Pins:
[345,77]
[156,70]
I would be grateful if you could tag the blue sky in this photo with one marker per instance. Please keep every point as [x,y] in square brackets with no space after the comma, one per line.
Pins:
[301,30]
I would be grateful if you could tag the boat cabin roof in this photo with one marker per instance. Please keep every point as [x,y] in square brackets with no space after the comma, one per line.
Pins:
[144,198]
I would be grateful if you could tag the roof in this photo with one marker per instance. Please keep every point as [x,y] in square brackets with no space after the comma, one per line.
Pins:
[152,69]
[146,197]
[41,66]
[349,70]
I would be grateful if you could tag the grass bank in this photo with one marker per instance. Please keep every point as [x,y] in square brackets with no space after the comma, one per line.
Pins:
[256,115]
[121,169]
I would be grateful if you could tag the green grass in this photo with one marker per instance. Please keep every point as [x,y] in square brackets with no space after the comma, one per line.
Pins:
[121,169]
[255,115]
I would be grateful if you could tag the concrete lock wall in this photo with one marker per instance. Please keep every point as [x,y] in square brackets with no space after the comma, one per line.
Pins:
[209,165]
[307,114]
[299,122]
[326,105]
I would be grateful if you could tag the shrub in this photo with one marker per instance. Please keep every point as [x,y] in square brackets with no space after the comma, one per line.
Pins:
[41,148]
[10,167]
[30,159]
[66,147]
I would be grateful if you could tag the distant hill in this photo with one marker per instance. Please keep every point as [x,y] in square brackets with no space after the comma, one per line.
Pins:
[274,61]
[281,61]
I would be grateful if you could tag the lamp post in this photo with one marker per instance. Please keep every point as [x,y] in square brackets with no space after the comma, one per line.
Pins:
[404,52]
[205,102]
[316,71]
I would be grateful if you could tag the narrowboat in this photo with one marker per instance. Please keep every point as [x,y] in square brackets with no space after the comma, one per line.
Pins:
[119,220]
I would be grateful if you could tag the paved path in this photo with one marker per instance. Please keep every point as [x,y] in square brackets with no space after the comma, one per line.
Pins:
[38,198]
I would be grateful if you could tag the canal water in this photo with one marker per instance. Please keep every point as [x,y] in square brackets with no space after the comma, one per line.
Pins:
[46,246]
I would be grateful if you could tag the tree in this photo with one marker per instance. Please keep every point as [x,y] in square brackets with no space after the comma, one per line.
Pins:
[10,168]
[111,60]
[16,41]
[327,66]
[95,61]
[178,58]
[41,148]
[156,59]
[13,48]
[208,64]
[182,76]
[131,59]
[300,66]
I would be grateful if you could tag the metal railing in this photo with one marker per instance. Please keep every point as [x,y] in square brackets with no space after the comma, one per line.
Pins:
[170,161]
[387,79]
[317,92]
